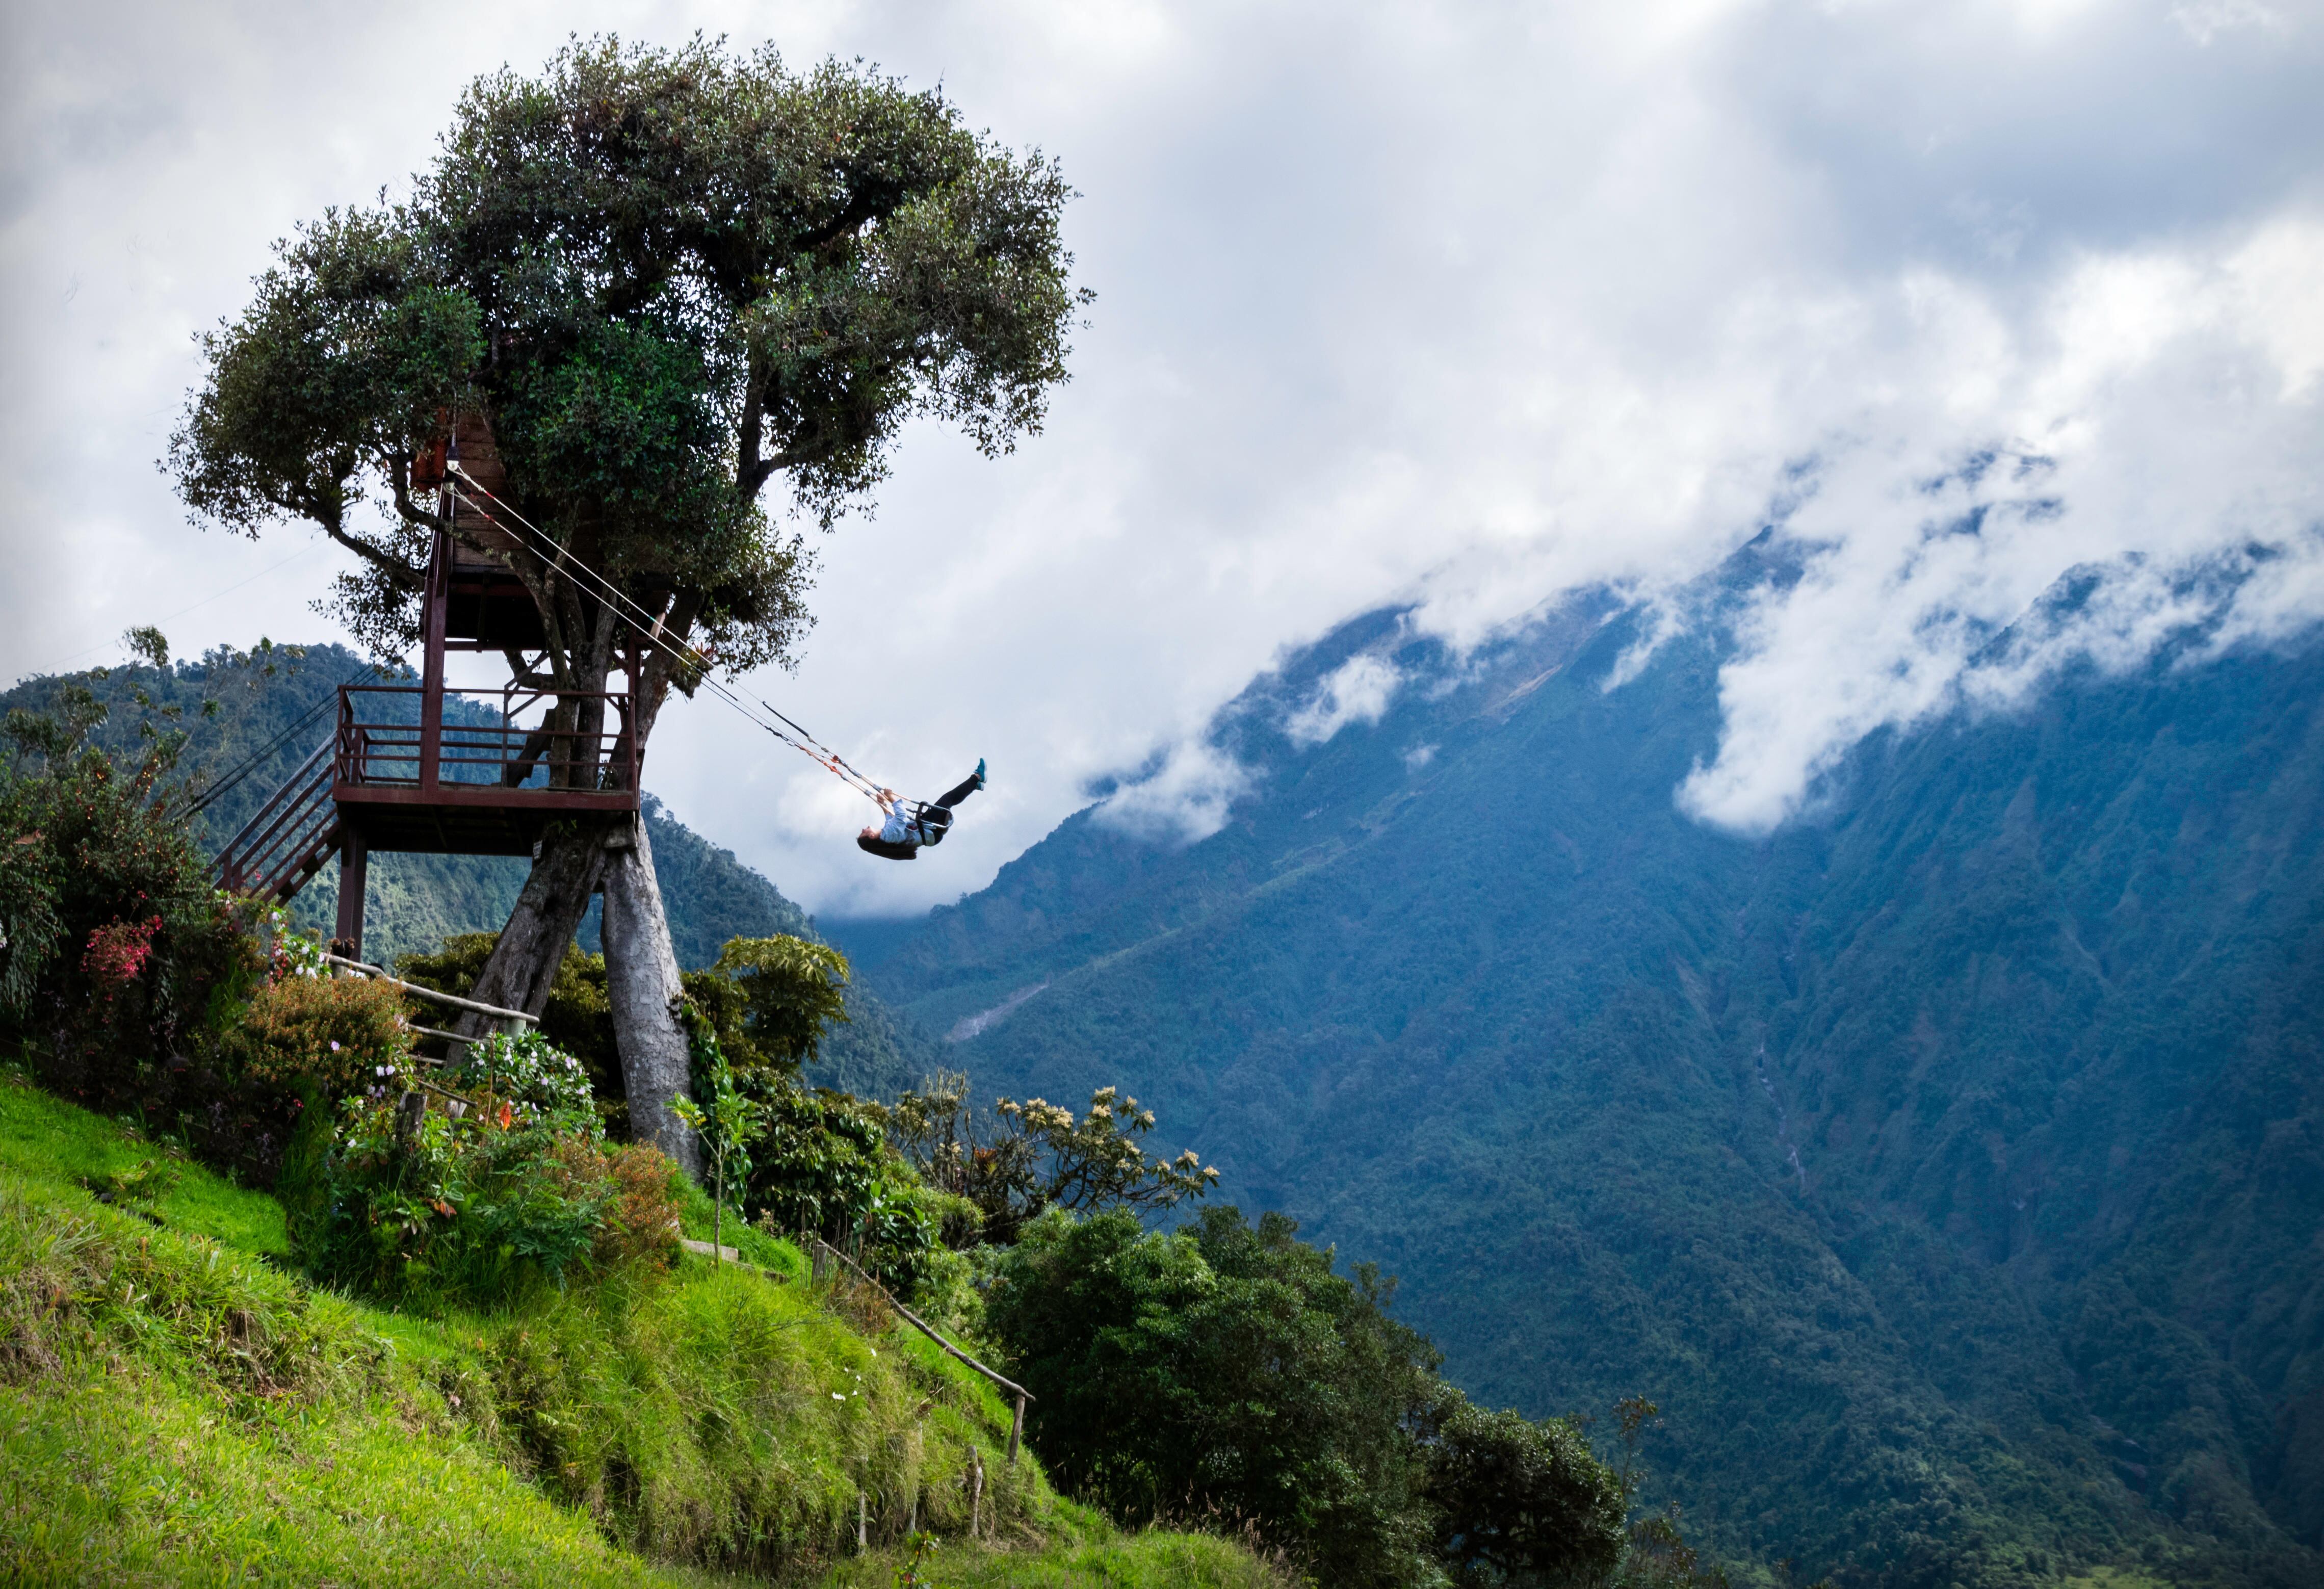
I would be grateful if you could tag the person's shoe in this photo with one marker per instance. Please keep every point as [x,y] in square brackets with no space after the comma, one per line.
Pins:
[980,772]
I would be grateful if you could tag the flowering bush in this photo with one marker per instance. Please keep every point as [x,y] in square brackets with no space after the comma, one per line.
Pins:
[121,966]
[118,951]
[537,1079]
[476,1208]
[347,1033]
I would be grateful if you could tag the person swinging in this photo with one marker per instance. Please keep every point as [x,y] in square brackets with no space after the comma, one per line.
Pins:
[911,824]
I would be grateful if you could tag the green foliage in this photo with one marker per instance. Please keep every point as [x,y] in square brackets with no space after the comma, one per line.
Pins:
[1516,1502]
[1036,1156]
[544,1084]
[792,992]
[621,264]
[825,1168]
[342,1032]
[726,1121]
[481,1203]
[120,966]
[1271,1390]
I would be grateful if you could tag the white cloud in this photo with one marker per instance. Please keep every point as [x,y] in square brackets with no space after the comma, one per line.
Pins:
[2205,20]
[1356,691]
[2152,418]
[1468,305]
[1185,799]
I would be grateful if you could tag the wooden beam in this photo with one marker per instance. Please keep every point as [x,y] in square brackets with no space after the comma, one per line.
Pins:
[355,858]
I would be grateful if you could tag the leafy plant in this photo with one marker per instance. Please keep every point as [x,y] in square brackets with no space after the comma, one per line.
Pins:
[1274,1393]
[345,1033]
[1036,1155]
[538,1080]
[509,1187]
[121,967]
[825,1166]
[793,989]
[727,1122]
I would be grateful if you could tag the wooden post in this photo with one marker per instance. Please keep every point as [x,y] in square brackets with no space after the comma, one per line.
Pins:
[1016,1429]
[354,857]
[975,1487]
[434,601]
[863,1520]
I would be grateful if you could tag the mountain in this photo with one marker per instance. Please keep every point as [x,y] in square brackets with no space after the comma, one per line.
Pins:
[272,707]
[1949,1165]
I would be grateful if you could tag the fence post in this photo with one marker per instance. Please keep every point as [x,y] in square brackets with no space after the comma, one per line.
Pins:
[976,1487]
[1016,1429]
[863,1516]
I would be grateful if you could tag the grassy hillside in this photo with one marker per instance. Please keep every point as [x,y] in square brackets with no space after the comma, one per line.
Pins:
[176,1409]
[283,697]
[1950,1165]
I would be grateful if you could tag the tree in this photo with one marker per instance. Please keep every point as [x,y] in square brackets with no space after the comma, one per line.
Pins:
[1227,1373]
[791,990]
[1519,1502]
[664,278]
[1036,1156]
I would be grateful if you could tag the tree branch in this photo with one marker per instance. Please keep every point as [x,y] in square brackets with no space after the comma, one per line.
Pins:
[387,561]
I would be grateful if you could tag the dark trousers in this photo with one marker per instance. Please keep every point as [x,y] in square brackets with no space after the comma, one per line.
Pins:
[953,796]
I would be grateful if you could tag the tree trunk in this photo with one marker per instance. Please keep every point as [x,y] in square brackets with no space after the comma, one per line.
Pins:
[642,981]
[524,964]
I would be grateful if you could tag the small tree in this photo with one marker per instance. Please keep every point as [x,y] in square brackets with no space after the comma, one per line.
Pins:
[791,988]
[1037,1155]
[725,1121]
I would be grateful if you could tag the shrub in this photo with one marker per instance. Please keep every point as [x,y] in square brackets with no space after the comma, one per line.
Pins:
[487,1194]
[120,966]
[345,1033]
[578,1019]
[1518,1501]
[539,1080]
[1274,1393]
[825,1166]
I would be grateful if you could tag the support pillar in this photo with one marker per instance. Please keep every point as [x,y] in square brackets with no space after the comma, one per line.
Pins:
[641,983]
[435,612]
[354,862]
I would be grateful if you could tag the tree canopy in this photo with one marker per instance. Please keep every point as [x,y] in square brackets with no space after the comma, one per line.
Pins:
[663,277]
[1226,1371]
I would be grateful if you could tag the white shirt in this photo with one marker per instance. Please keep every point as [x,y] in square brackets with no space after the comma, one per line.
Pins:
[899,829]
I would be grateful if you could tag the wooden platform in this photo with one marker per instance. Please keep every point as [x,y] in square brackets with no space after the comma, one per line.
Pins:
[488,782]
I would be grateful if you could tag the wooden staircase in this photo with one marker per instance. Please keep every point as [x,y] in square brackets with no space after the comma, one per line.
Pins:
[289,839]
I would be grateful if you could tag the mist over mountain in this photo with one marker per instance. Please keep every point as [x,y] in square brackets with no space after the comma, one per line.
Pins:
[1949,1161]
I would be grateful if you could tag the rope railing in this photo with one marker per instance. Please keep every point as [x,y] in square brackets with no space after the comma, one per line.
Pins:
[1017,1392]
[382,974]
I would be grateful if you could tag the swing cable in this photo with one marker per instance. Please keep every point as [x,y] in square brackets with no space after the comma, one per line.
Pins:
[542,544]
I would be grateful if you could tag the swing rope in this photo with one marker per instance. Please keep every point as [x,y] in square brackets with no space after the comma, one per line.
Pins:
[546,547]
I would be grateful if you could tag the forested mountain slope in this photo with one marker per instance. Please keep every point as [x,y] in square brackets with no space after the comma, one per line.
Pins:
[1949,1166]
[282,696]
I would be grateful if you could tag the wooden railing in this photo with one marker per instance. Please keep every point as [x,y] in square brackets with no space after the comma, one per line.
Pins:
[389,739]
[286,840]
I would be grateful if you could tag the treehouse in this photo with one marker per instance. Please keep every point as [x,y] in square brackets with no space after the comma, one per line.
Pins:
[424,767]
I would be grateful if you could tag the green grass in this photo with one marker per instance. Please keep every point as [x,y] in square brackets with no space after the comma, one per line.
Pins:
[47,1139]
[176,1406]
[1152,1560]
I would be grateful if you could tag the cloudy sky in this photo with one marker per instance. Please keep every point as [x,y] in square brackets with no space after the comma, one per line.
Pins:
[1460,304]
